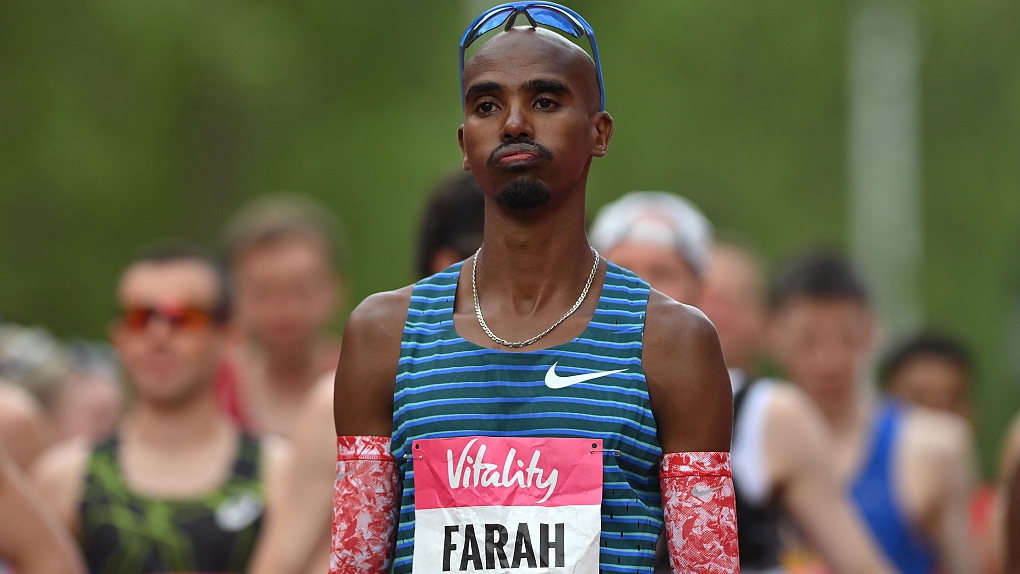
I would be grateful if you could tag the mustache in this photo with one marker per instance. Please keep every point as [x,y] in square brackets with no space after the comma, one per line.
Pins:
[519,144]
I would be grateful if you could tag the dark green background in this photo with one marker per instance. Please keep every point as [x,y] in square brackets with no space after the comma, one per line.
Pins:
[122,122]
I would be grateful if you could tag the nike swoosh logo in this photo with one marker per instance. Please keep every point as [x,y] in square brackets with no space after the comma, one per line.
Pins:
[702,492]
[554,381]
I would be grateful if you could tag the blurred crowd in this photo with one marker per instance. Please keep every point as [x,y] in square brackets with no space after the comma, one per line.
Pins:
[200,437]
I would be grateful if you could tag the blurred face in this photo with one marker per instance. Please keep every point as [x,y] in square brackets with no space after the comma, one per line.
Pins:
[286,293]
[662,267]
[168,342]
[732,300]
[823,345]
[932,381]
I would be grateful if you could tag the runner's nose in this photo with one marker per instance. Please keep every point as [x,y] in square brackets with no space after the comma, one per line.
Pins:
[517,124]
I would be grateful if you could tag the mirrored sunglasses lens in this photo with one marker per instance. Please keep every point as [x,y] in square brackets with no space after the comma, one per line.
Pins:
[491,22]
[556,20]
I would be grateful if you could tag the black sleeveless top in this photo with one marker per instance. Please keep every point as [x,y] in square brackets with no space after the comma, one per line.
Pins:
[125,533]
[757,525]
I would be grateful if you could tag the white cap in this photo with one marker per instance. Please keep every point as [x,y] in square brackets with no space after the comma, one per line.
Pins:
[657,218]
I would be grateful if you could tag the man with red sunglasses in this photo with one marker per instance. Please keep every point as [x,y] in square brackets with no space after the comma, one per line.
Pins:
[532,408]
[177,488]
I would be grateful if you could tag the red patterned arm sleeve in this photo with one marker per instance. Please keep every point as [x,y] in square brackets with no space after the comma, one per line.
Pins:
[701,515]
[364,506]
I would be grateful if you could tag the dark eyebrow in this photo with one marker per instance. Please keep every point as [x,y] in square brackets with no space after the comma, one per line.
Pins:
[482,88]
[549,86]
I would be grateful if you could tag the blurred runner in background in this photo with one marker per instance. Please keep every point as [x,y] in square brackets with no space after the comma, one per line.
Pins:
[781,448]
[284,252]
[177,488]
[298,541]
[908,469]
[935,370]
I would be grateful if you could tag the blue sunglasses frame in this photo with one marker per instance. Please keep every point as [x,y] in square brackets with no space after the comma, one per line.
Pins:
[548,14]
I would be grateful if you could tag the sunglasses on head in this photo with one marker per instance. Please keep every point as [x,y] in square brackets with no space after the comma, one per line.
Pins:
[137,318]
[547,14]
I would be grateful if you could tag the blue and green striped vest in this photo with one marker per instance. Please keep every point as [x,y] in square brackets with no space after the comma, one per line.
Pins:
[449,387]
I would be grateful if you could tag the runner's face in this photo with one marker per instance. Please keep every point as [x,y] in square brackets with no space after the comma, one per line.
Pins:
[732,301]
[169,364]
[932,381]
[664,269]
[531,113]
[286,293]
[823,344]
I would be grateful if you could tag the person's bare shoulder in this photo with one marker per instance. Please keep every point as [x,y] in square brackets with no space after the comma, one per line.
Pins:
[23,427]
[367,370]
[276,460]
[796,435]
[58,475]
[937,436]
[688,384]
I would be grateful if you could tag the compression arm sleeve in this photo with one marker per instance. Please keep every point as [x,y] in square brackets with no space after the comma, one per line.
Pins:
[364,506]
[701,515]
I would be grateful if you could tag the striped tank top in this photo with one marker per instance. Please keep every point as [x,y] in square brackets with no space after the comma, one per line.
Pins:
[449,387]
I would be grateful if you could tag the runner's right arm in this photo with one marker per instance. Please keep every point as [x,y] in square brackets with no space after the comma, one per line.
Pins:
[366,493]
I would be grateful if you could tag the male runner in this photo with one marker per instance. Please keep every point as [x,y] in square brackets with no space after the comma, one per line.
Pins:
[515,434]
[32,540]
[177,488]
[662,237]
[282,252]
[932,370]
[782,460]
[780,451]
[907,468]
[451,224]
[298,540]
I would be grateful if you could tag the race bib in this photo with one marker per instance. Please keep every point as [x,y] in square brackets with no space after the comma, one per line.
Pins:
[492,504]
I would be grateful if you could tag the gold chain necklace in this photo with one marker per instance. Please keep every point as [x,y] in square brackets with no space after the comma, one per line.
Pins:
[519,344]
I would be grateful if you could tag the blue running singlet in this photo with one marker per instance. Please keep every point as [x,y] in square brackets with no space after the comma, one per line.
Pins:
[873,493]
[449,387]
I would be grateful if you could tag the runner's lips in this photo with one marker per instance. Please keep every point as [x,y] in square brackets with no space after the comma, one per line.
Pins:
[517,154]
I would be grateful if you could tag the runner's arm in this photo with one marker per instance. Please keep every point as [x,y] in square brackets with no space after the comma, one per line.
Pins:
[954,466]
[691,399]
[798,453]
[31,537]
[366,492]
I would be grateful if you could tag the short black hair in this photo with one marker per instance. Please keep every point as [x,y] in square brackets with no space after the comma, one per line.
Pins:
[453,218]
[925,344]
[820,274]
[174,251]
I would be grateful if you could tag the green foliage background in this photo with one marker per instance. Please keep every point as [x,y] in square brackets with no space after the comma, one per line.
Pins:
[125,122]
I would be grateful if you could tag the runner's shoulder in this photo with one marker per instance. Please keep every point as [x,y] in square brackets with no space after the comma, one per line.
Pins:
[681,327]
[379,318]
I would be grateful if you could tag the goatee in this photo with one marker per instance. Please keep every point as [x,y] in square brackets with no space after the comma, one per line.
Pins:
[523,194]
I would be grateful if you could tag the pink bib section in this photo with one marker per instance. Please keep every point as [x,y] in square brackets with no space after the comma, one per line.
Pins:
[507,504]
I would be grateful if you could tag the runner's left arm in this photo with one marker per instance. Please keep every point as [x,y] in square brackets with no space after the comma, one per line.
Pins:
[692,401]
